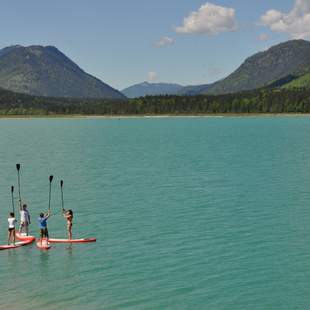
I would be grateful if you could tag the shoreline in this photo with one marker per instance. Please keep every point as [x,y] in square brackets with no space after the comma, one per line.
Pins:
[215,115]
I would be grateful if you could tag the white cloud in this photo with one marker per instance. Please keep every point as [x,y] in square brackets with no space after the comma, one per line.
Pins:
[152,76]
[210,19]
[263,37]
[163,41]
[296,22]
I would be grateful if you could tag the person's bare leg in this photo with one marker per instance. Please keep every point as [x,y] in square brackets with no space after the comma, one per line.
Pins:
[70,232]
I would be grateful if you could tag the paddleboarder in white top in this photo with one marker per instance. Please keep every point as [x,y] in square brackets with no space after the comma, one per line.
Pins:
[11,230]
[24,220]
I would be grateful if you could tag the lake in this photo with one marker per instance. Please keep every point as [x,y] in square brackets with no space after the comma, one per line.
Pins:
[189,213]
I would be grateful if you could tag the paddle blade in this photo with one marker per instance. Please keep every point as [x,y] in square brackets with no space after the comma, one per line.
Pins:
[12,189]
[51,178]
[18,166]
[61,183]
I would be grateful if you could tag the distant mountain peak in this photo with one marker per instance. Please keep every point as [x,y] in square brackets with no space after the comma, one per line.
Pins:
[145,83]
[151,89]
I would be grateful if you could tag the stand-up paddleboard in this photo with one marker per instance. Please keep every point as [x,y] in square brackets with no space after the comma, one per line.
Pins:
[23,236]
[44,245]
[85,240]
[58,240]
[17,244]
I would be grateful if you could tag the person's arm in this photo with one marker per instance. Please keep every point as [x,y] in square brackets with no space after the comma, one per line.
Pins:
[47,215]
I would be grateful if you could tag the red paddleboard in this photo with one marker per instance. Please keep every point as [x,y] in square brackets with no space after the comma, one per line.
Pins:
[85,240]
[17,244]
[44,245]
[23,236]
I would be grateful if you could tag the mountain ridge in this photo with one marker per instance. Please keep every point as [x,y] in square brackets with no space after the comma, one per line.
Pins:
[151,89]
[46,71]
[263,68]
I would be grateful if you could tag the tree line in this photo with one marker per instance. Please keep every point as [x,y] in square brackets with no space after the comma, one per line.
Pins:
[256,101]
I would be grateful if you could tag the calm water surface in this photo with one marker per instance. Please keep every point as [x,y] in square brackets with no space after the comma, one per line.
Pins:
[190,213]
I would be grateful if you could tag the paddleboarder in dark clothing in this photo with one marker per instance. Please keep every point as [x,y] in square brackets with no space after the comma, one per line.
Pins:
[42,220]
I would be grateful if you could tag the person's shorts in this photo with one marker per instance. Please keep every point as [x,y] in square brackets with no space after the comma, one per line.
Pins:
[44,232]
[11,229]
[24,223]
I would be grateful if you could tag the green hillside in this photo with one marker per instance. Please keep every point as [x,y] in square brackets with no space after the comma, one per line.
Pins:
[302,82]
[291,58]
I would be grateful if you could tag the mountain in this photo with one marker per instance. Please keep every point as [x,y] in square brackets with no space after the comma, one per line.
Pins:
[193,90]
[151,89]
[291,58]
[45,71]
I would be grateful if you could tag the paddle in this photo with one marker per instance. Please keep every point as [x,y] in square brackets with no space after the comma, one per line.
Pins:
[62,195]
[49,196]
[12,191]
[18,177]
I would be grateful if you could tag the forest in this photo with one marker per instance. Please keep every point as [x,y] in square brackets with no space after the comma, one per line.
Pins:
[255,101]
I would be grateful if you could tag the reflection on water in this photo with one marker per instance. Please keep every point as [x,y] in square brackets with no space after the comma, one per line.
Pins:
[44,259]
[13,257]
[69,249]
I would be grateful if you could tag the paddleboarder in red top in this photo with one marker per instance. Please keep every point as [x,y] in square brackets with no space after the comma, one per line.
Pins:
[68,214]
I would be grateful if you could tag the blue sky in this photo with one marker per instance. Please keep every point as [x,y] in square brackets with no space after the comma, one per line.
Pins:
[124,42]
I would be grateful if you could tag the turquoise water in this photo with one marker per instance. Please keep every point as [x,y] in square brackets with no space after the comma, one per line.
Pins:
[190,213]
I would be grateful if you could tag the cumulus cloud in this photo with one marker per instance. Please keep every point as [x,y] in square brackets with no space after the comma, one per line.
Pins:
[210,19]
[152,76]
[296,22]
[263,37]
[163,41]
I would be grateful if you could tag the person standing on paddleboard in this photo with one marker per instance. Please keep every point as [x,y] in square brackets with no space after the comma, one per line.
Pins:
[24,219]
[43,225]
[11,230]
[68,214]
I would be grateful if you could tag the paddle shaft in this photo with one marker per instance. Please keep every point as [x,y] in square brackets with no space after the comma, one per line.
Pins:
[18,179]
[12,191]
[50,191]
[62,195]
